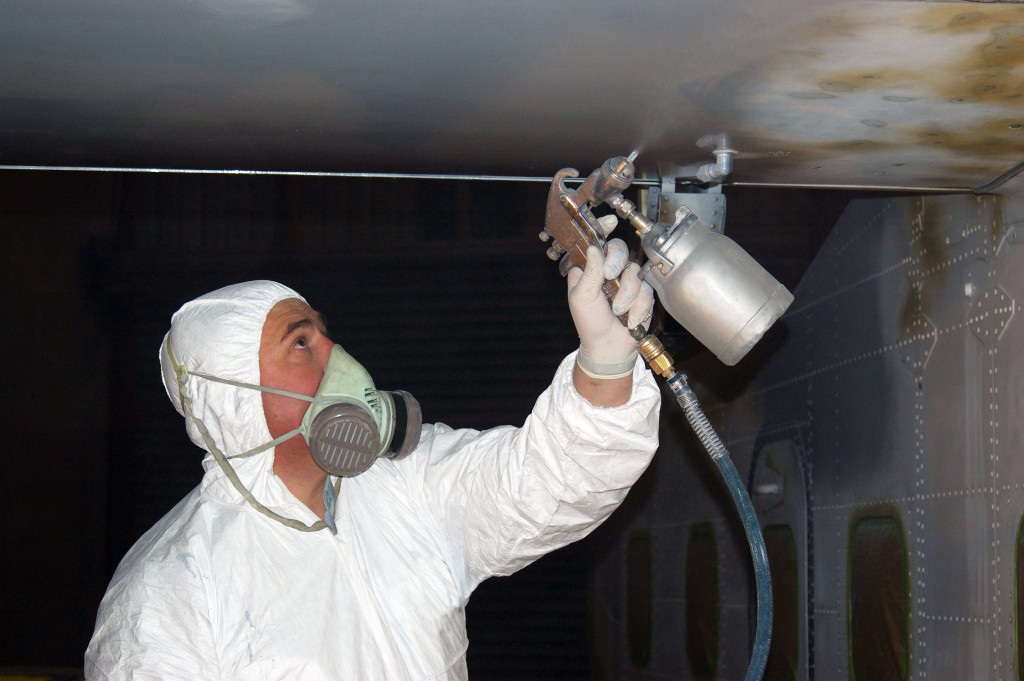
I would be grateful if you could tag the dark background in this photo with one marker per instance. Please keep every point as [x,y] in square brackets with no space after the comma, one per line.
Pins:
[438,287]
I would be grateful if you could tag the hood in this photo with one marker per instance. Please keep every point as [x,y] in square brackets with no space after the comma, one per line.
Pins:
[219,334]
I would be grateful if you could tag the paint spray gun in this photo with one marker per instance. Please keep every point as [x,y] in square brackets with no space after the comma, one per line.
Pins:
[703,279]
[709,285]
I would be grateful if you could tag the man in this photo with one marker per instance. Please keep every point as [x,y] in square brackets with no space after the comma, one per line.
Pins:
[274,569]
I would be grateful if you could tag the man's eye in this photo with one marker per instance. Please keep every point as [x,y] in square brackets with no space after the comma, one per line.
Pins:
[300,343]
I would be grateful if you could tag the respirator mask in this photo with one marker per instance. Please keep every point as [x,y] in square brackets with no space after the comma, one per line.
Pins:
[349,423]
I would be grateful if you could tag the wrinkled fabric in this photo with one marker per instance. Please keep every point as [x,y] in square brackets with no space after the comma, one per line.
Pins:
[216,590]
[219,334]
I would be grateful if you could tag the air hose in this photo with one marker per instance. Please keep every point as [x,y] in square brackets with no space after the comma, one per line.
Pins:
[654,353]
[573,228]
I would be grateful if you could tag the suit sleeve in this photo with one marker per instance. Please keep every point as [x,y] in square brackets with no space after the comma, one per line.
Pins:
[506,496]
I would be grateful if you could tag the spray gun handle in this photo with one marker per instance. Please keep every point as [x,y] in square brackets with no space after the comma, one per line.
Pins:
[571,227]
[569,224]
[570,220]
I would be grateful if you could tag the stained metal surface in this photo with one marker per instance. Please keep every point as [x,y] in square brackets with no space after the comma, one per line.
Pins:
[871,93]
[910,392]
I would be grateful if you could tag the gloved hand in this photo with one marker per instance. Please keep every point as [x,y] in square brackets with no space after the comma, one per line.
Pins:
[606,348]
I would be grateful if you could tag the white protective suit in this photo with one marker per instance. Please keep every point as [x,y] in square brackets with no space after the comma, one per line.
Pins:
[217,590]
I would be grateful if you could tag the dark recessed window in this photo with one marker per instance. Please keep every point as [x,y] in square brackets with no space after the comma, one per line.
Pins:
[639,599]
[879,599]
[702,601]
[783,658]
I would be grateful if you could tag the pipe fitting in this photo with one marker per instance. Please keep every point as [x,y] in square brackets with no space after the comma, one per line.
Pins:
[716,172]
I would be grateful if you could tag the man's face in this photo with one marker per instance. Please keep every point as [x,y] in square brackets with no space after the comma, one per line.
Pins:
[294,349]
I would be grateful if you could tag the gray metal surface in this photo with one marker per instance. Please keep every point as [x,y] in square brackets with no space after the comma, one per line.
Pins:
[896,387]
[866,93]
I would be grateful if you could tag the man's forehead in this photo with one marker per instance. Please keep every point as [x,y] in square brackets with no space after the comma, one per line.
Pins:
[289,306]
[289,312]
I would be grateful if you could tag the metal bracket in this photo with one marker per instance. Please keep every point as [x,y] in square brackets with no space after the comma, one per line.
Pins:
[678,188]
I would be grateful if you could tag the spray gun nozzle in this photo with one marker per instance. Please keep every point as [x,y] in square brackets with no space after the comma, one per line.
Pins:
[614,177]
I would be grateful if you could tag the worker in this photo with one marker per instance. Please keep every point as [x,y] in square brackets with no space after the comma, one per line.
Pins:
[276,568]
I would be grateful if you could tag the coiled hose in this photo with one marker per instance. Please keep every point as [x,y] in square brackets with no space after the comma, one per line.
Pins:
[762,575]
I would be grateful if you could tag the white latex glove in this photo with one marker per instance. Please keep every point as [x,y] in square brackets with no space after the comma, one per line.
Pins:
[606,348]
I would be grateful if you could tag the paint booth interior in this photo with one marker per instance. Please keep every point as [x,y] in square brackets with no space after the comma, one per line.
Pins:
[873,425]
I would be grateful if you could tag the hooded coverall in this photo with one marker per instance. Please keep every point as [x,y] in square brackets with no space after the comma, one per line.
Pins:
[217,590]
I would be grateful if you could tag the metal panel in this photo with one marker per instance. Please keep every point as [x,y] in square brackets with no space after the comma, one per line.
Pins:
[904,411]
[808,91]
[898,376]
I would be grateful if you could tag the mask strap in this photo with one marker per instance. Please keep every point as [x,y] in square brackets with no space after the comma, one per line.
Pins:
[181,373]
[250,386]
[264,447]
[240,384]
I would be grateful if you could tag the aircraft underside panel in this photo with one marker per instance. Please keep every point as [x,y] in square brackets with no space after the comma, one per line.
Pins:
[883,434]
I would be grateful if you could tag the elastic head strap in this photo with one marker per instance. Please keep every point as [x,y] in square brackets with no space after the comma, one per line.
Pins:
[250,386]
[181,373]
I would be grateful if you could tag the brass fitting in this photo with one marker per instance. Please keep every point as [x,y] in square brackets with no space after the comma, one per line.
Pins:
[655,355]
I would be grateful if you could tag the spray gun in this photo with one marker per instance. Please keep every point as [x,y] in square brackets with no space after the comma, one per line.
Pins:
[571,227]
[703,279]
[709,285]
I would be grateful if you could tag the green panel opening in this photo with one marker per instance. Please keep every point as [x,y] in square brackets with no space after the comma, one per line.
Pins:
[783,658]
[702,601]
[879,599]
[639,603]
